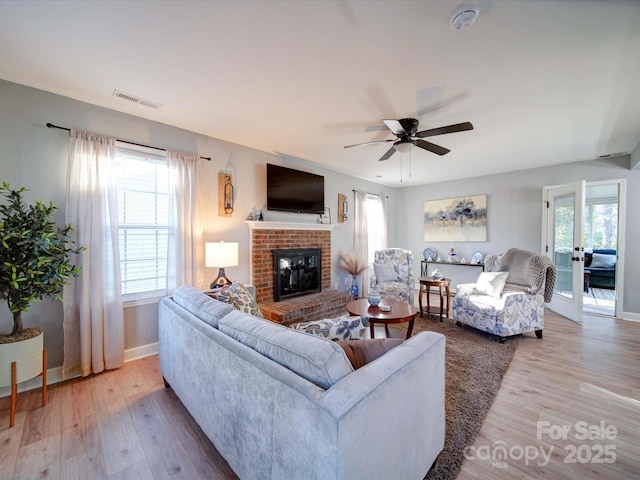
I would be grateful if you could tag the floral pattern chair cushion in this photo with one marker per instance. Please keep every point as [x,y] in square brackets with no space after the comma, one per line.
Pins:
[402,287]
[341,328]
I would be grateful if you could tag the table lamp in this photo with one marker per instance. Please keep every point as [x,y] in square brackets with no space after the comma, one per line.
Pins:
[221,254]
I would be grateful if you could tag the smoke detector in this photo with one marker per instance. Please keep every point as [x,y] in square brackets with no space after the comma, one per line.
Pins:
[463,18]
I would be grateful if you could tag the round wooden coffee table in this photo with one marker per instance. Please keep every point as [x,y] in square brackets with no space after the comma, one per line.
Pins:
[401,312]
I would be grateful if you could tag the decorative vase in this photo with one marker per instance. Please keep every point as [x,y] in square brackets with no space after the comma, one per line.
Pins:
[354,286]
[374,299]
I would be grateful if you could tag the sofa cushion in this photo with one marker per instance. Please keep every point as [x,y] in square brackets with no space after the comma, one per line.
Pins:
[603,260]
[320,361]
[202,306]
[241,299]
[491,283]
[345,327]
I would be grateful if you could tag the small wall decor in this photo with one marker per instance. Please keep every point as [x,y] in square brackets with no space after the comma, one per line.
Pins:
[225,194]
[326,216]
[461,219]
[342,208]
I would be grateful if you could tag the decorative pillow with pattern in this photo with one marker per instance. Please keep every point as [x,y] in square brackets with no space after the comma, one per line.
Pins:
[385,272]
[341,328]
[241,299]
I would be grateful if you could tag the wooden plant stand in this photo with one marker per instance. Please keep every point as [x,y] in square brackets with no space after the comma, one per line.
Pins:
[14,387]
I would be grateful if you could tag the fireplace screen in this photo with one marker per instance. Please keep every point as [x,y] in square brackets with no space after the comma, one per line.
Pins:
[296,272]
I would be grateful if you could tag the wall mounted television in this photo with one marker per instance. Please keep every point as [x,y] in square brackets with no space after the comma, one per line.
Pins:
[290,190]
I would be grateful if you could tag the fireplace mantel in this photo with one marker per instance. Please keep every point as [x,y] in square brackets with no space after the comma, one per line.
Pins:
[253,225]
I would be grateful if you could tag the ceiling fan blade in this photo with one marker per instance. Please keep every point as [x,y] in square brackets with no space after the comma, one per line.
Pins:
[370,143]
[432,147]
[387,155]
[458,127]
[396,127]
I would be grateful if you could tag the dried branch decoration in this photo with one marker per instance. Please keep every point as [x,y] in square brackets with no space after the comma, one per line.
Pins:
[353,264]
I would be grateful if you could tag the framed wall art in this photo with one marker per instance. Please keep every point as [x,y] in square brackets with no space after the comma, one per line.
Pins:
[460,219]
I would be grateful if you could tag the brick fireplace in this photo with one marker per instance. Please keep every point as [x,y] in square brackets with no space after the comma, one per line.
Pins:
[269,236]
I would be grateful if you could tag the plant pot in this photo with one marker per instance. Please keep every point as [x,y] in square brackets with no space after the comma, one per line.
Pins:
[28,357]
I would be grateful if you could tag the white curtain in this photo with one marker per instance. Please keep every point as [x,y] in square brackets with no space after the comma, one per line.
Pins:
[377,223]
[93,317]
[185,257]
[361,237]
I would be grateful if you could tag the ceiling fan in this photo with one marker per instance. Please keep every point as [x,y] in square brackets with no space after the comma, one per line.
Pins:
[408,137]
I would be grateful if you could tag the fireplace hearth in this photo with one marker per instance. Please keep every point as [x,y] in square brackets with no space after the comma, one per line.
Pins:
[297,272]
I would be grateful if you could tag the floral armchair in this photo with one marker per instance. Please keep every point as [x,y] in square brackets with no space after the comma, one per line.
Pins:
[393,277]
[510,295]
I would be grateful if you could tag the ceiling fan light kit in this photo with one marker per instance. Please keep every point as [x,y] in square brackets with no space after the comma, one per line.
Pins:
[407,136]
[404,146]
[463,18]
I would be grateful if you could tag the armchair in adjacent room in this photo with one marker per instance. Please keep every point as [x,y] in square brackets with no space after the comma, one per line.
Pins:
[510,295]
[394,274]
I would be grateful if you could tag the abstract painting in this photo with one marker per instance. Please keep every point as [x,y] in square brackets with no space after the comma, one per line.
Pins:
[461,219]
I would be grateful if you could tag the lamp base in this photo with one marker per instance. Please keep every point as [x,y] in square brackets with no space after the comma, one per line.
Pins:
[220,281]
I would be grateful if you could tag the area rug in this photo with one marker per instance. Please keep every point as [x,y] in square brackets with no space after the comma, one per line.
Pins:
[475,364]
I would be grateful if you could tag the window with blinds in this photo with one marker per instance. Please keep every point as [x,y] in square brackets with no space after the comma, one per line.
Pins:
[143,221]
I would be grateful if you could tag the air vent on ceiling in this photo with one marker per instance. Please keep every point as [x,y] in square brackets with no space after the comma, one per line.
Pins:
[134,99]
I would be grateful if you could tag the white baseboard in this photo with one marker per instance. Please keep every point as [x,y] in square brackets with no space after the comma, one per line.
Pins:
[54,375]
[141,352]
[631,317]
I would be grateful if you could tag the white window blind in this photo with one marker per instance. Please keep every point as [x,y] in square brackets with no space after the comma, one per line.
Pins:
[143,220]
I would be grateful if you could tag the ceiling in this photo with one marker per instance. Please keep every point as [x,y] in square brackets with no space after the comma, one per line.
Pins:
[543,82]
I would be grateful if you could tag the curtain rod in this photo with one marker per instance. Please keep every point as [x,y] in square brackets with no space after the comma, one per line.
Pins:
[368,193]
[51,125]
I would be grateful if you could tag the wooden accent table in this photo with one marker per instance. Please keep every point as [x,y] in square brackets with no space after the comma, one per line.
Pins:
[401,312]
[425,286]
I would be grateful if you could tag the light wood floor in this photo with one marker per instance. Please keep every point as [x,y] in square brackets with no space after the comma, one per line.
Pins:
[125,425]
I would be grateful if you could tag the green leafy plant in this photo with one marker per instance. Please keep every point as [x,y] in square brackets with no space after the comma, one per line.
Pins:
[34,253]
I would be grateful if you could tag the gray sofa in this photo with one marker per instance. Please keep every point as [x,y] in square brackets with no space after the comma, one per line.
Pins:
[283,404]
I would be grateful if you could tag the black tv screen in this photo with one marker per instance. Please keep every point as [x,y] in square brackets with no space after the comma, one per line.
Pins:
[290,190]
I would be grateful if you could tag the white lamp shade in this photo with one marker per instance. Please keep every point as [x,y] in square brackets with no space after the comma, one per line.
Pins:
[404,147]
[221,254]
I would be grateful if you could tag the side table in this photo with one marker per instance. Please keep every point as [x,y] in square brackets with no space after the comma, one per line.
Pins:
[425,286]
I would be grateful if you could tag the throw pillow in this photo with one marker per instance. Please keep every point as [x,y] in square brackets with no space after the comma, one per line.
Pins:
[241,299]
[491,283]
[375,348]
[384,272]
[341,328]
[354,354]
[603,260]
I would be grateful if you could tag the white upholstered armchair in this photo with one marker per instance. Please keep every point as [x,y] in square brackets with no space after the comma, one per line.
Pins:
[510,294]
[394,274]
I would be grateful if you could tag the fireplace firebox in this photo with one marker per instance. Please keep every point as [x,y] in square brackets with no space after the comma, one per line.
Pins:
[297,272]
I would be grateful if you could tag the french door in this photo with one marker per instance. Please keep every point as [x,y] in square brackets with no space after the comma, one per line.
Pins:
[563,243]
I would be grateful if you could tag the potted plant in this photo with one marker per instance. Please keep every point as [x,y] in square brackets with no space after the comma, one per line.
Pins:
[34,263]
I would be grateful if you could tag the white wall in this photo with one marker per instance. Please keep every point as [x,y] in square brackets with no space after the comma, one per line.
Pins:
[515,213]
[34,156]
